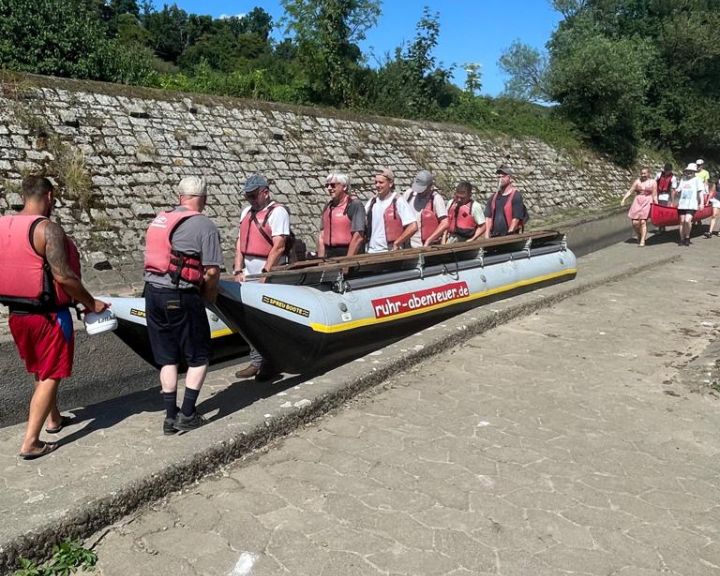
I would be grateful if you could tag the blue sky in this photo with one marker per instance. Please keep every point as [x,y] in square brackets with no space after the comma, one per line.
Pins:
[470,30]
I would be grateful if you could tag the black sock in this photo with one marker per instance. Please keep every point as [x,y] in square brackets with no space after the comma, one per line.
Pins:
[170,402]
[188,405]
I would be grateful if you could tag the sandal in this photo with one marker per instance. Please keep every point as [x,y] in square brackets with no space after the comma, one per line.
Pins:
[64,421]
[46,449]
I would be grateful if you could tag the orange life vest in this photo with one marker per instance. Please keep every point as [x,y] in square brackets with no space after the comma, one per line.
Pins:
[26,279]
[393,224]
[507,209]
[428,218]
[255,233]
[461,222]
[337,229]
[160,258]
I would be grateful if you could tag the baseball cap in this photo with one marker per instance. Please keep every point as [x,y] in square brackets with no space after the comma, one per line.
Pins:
[423,181]
[699,161]
[504,169]
[255,182]
[387,173]
[692,166]
[192,186]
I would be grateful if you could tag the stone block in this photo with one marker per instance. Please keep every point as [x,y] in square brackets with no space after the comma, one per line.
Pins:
[99,261]
[142,210]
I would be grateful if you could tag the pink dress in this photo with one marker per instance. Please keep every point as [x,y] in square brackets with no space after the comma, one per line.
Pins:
[640,208]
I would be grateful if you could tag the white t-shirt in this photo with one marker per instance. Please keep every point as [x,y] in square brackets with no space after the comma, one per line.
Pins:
[378,242]
[690,192]
[438,207]
[279,222]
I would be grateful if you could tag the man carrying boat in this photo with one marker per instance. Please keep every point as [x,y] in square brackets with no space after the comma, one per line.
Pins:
[429,209]
[342,225]
[183,257]
[505,213]
[39,284]
[466,221]
[264,230]
[390,221]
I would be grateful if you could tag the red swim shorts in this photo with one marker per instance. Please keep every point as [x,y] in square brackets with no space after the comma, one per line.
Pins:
[45,342]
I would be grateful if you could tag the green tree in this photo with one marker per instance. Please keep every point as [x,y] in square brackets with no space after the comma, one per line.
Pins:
[473,80]
[54,37]
[326,33]
[600,84]
[526,69]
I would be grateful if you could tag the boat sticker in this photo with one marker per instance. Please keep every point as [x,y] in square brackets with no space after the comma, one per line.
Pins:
[136,312]
[285,306]
[419,299]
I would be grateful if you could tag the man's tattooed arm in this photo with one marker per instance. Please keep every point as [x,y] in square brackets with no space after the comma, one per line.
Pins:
[56,256]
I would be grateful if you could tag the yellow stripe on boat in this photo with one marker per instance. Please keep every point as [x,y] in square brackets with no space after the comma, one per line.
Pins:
[220,333]
[332,328]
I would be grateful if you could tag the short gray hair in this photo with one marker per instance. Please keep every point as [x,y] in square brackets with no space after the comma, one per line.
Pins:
[338,177]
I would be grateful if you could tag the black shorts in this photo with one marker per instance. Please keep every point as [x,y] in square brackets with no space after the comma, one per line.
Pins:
[177,325]
[685,211]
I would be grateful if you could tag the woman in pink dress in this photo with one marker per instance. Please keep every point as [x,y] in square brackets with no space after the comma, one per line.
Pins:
[645,189]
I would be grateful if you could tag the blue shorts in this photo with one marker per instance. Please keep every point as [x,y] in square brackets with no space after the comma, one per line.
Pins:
[177,325]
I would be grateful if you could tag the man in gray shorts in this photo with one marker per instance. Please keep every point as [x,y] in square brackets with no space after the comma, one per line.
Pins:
[182,268]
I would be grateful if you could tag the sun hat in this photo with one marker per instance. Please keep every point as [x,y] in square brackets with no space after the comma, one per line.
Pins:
[692,166]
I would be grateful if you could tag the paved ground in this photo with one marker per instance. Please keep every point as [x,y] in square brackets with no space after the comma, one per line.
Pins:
[583,439]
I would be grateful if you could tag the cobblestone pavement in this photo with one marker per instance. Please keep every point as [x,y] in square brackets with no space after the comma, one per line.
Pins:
[566,442]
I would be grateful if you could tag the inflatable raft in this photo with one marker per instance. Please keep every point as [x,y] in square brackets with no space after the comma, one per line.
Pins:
[662,216]
[132,329]
[321,313]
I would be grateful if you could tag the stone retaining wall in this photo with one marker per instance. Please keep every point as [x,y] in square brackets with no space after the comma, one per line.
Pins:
[118,152]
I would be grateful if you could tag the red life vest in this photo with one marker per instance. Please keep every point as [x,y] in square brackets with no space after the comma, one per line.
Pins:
[26,279]
[337,230]
[255,233]
[160,258]
[393,224]
[428,219]
[461,222]
[664,183]
[507,209]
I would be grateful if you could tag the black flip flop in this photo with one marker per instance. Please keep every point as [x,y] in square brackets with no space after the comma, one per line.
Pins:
[46,449]
[64,421]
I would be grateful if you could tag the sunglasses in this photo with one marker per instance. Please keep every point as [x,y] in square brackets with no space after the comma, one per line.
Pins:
[332,184]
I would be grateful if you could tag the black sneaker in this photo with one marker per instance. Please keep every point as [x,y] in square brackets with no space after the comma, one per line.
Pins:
[185,423]
[169,427]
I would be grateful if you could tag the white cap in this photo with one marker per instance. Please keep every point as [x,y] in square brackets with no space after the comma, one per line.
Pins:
[692,166]
[699,161]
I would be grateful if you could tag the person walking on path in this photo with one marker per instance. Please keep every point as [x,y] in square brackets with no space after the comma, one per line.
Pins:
[645,190]
[183,257]
[715,203]
[691,190]
[505,213]
[264,230]
[41,280]
[342,224]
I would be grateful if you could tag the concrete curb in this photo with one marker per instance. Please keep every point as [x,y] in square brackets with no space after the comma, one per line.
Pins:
[331,391]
